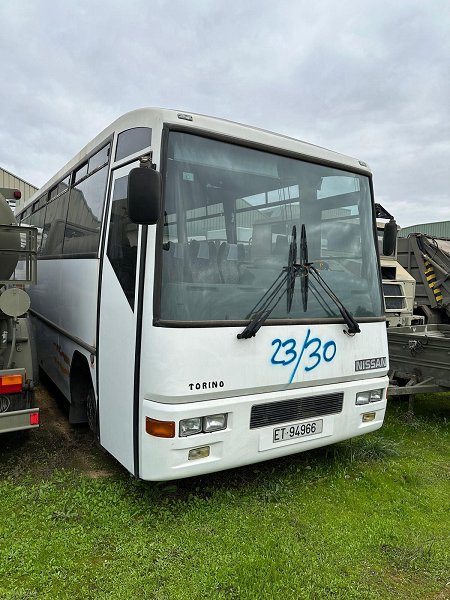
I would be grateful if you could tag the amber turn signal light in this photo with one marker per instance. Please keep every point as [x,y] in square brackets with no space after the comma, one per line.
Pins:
[10,384]
[162,429]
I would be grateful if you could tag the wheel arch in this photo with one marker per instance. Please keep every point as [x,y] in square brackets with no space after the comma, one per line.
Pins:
[81,386]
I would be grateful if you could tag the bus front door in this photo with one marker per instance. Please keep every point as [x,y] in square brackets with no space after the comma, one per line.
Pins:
[117,325]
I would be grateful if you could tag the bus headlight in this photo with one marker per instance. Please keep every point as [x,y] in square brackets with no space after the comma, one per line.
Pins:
[214,422]
[205,424]
[376,395]
[369,396]
[190,426]
[363,398]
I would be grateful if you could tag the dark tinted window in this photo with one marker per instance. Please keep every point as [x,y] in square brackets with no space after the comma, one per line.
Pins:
[60,188]
[38,220]
[84,215]
[132,141]
[26,218]
[99,159]
[122,240]
[81,172]
[63,185]
[53,231]
[393,296]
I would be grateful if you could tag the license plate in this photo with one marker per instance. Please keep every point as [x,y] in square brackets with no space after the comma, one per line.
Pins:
[298,430]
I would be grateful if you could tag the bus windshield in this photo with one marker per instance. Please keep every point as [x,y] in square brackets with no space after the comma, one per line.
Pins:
[229,213]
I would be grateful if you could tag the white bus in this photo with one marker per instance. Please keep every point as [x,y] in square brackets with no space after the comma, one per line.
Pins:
[209,294]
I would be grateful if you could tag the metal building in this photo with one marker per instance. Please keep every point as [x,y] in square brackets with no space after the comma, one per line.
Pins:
[440,229]
[9,181]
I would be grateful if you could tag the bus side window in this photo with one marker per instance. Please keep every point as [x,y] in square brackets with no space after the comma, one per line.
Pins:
[122,241]
[133,140]
[55,221]
[26,220]
[84,215]
[37,219]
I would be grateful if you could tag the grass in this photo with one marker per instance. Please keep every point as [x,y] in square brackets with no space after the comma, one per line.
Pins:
[366,519]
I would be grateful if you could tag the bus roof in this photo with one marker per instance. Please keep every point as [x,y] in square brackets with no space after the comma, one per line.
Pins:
[148,117]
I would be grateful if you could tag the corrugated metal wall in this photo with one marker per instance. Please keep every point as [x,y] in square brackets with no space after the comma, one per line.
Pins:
[8,180]
[439,229]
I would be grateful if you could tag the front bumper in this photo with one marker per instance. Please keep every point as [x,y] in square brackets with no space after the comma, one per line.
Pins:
[237,445]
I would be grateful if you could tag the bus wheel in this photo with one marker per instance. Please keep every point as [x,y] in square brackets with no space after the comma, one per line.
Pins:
[83,404]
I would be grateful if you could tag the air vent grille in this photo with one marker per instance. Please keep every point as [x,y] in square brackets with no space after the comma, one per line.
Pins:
[273,413]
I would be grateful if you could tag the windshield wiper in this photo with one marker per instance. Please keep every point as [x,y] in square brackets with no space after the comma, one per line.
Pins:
[283,284]
[309,269]
[291,269]
[352,325]
[303,263]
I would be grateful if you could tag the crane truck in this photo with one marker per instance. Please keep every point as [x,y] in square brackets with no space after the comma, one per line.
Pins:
[416,285]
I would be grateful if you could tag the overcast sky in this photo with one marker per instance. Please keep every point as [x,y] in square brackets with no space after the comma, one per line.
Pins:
[366,78]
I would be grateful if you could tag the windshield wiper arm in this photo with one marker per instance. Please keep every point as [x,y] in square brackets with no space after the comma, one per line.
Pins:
[308,268]
[285,283]
[352,325]
[265,306]
[303,263]
[291,269]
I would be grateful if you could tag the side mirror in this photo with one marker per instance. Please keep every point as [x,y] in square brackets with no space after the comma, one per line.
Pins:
[389,238]
[144,195]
